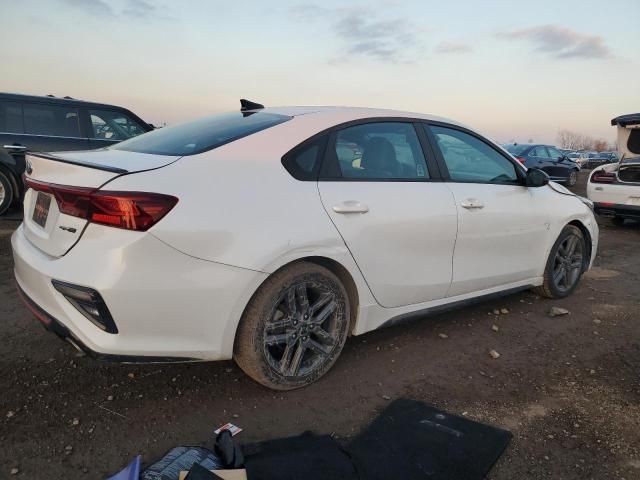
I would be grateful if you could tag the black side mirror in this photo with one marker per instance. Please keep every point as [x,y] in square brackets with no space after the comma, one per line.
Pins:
[536,178]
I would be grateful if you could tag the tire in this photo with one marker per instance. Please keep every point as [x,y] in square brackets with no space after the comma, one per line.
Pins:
[573,178]
[282,341]
[561,255]
[617,221]
[6,193]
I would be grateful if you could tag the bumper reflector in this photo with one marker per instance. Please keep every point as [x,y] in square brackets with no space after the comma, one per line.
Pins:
[89,303]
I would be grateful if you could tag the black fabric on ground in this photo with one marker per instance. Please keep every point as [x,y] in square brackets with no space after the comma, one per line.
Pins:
[410,440]
[198,472]
[305,457]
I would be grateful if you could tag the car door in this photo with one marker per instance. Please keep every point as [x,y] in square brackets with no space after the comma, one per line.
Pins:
[501,231]
[382,193]
[52,127]
[107,127]
[559,168]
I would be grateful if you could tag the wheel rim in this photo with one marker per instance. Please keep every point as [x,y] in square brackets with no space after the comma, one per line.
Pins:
[303,329]
[568,263]
[3,193]
[572,178]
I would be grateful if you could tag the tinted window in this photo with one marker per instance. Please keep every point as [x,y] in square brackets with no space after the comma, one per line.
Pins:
[373,151]
[303,162]
[469,159]
[515,149]
[554,153]
[539,152]
[201,135]
[53,120]
[11,117]
[113,125]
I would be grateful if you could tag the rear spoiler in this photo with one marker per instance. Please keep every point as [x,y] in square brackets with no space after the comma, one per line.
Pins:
[106,168]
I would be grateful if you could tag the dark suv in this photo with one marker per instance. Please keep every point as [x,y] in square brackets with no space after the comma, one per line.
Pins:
[48,124]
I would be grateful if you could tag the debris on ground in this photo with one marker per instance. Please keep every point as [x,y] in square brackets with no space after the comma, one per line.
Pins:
[504,311]
[495,328]
[15,471]
[557,311]
[443,335]
[493,354]
[597,321]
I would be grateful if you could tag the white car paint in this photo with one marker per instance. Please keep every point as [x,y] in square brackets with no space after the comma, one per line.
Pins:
[179,289]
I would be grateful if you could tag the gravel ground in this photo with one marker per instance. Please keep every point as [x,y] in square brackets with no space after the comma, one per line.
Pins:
[567,387]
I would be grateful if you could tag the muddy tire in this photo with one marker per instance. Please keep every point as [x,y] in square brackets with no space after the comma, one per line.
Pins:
[294,327]
[565,264]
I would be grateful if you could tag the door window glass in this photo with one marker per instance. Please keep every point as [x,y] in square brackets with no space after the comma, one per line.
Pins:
[469,159]
[554,154]
[51,120]
[540,152]
[11,117]
[373,151]
[112,125]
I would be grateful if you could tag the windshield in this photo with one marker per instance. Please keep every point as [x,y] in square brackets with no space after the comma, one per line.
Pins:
[201,135]
[515,149]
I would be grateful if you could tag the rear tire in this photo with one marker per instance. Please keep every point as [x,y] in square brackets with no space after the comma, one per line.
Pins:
[6,193]
[573,178]
[294,327]
[565,264]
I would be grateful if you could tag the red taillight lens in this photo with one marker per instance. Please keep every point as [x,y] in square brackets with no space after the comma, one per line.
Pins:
[129,210]
[521,159]
[603,177]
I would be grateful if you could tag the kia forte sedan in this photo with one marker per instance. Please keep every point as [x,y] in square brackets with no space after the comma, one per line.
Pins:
[269,235]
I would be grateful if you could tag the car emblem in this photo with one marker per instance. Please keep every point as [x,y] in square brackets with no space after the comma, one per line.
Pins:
[29,167]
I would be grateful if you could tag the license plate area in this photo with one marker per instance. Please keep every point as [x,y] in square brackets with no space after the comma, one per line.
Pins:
[41,209]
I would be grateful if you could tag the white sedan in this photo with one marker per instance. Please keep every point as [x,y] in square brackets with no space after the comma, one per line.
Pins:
[269,235]
[615,188]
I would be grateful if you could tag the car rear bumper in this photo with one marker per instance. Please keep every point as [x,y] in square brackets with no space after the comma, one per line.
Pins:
[617,210]
[167,306]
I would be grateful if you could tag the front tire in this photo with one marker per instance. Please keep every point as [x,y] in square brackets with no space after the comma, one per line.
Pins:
[565,264]
[294,327]
[6,193]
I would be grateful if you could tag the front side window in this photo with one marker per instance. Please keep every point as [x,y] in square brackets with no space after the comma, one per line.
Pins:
[469,159]
[201,135]
[380,151]
[11,117]
[51,120]
[113,125]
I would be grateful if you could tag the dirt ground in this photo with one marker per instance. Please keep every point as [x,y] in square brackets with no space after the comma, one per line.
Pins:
[567,387]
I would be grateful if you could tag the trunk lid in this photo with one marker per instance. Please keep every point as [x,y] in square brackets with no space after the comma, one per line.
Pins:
[45,225]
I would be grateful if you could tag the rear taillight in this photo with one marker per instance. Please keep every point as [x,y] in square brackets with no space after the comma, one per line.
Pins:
[129,210]
[521,159]
[603,177]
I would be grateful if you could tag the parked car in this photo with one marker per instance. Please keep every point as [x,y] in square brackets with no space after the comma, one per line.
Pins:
[615,187]
[49,124]
[579,158]
[547,158]
[271,234]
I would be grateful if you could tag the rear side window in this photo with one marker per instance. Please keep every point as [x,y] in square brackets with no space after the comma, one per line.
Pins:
[51,120]
[11,117]
[539,152]
[201,135]
[113,125]
[303,162]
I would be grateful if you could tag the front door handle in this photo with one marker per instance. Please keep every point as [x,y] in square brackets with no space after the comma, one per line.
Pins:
[350,206]
[15,147]
[471,204]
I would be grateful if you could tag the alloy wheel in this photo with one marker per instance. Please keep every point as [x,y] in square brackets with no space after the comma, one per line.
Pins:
[3,193]
[568,263]
[302,330]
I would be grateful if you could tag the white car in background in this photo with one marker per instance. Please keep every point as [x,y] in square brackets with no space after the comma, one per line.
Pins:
[271,234]
[614,188]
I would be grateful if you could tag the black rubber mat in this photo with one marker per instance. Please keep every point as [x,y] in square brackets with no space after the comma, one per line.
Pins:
[411,440]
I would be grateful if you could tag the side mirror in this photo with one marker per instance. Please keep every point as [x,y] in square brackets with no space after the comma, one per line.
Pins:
[536,178]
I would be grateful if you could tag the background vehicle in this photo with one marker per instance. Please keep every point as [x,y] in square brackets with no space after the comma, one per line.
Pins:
[293,228]
[615,187]
[49,124]
[580,158]
[547,158]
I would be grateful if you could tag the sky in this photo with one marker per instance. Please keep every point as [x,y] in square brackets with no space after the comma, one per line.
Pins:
[516,70]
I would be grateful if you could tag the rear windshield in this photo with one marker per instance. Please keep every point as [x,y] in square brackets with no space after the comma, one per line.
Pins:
[515,149]
[201,135]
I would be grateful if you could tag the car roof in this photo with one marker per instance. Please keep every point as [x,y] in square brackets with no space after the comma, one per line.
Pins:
[345,113]
[19,97]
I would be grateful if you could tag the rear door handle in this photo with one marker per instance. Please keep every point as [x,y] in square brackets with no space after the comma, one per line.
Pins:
[471,204]
[350,206]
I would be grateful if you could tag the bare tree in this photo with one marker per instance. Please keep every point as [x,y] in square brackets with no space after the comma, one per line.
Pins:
[600,145]
[574,141]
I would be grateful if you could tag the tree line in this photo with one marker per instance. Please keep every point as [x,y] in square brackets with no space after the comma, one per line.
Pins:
[577,141]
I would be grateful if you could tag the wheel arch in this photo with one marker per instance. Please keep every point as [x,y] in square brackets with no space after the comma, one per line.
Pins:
[588,240]
[12,178]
